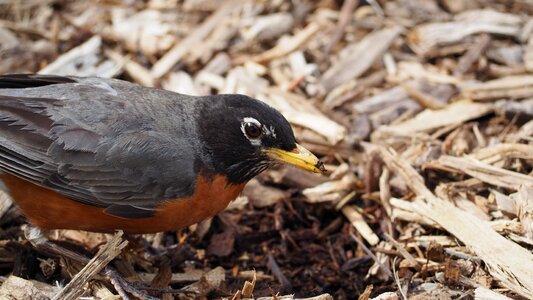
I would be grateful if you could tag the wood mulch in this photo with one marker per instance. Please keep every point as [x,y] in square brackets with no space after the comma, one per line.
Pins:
[422,111]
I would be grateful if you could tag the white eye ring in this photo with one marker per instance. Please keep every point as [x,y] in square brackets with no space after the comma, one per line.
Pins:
[256,141]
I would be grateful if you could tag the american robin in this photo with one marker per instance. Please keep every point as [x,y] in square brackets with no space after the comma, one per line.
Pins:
[103,154]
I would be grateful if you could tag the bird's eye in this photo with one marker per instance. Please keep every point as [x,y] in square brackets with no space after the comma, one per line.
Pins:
[253,130]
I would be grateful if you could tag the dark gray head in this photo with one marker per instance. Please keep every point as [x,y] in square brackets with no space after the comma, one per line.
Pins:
[244,136]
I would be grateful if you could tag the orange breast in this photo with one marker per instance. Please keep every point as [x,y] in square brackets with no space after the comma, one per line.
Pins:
[50,210]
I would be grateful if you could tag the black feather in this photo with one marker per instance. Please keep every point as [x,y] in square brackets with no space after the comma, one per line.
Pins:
[21,81]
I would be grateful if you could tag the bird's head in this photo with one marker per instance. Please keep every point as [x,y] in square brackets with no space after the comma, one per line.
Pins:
[245,136]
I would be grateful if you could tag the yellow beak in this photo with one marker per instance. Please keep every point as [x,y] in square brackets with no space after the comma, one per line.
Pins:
[299,157]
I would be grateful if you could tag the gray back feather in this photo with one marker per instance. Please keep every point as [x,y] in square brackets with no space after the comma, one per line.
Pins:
[102,142]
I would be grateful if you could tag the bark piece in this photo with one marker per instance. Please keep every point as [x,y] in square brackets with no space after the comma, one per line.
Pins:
[357,58]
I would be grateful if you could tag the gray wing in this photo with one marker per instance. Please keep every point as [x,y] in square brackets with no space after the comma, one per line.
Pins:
[102,142]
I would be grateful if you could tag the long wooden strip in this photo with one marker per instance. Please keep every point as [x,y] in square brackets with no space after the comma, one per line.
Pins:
[106,254]
[505,260]
[360,56]
[487,173]
[430,119]
[173,56]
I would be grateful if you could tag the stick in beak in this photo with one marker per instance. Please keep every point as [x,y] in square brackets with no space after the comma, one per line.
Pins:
[299,157]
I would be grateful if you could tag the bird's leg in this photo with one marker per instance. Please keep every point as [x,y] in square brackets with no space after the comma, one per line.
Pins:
[38,240]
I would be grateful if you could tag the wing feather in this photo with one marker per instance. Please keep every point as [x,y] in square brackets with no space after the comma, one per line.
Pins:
[73,140]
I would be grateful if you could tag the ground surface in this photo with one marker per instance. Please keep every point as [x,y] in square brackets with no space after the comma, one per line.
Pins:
[422,111]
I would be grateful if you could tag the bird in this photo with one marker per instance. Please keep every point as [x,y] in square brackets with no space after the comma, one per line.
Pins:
[101,155]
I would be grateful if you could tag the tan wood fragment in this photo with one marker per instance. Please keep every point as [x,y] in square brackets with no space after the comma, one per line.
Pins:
[487,173]
[528,54]
[482,293]
[359,223]
[207,283]
[269,27]
[443,240]
[147,30]
[346,14]
[428,120]
[74,62]
[261,195]
[416,70]
[330,191]
[524,202]
[506,87]
[139,73]
[422,98]
[498,152]
[506,261]
[406,211]
[101,292]
[188,276]
[524,133]
[299,111]
[381,100]
[384,191]
[285,47]
[505,203]
[472,55]
[248,287]
[412,260]
[429,35]
[21,289]
[174,55]
[107,253]
[360,57]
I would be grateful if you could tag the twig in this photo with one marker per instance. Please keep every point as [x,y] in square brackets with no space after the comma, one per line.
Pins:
[282,49]
[371,254]
[487,173]
[360,57]
[172,57]
[274,268]
[115,281]
[139,73]
[506,261]
[107,253]
[358,222]
[397,279]
[124,286]
[402,250]
[473,54]
[344,18]
[36,238]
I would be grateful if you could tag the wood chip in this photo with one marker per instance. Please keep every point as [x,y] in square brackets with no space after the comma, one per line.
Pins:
[207,283]
[482,293]
[83,60]
[174,55]
[508,262]
[287,46]
[107,253]
[426,36]
[524,202]
[514,87]
[21,289]
[261,195]
[428,120]
[487,173]
[357,221]
[360,56]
